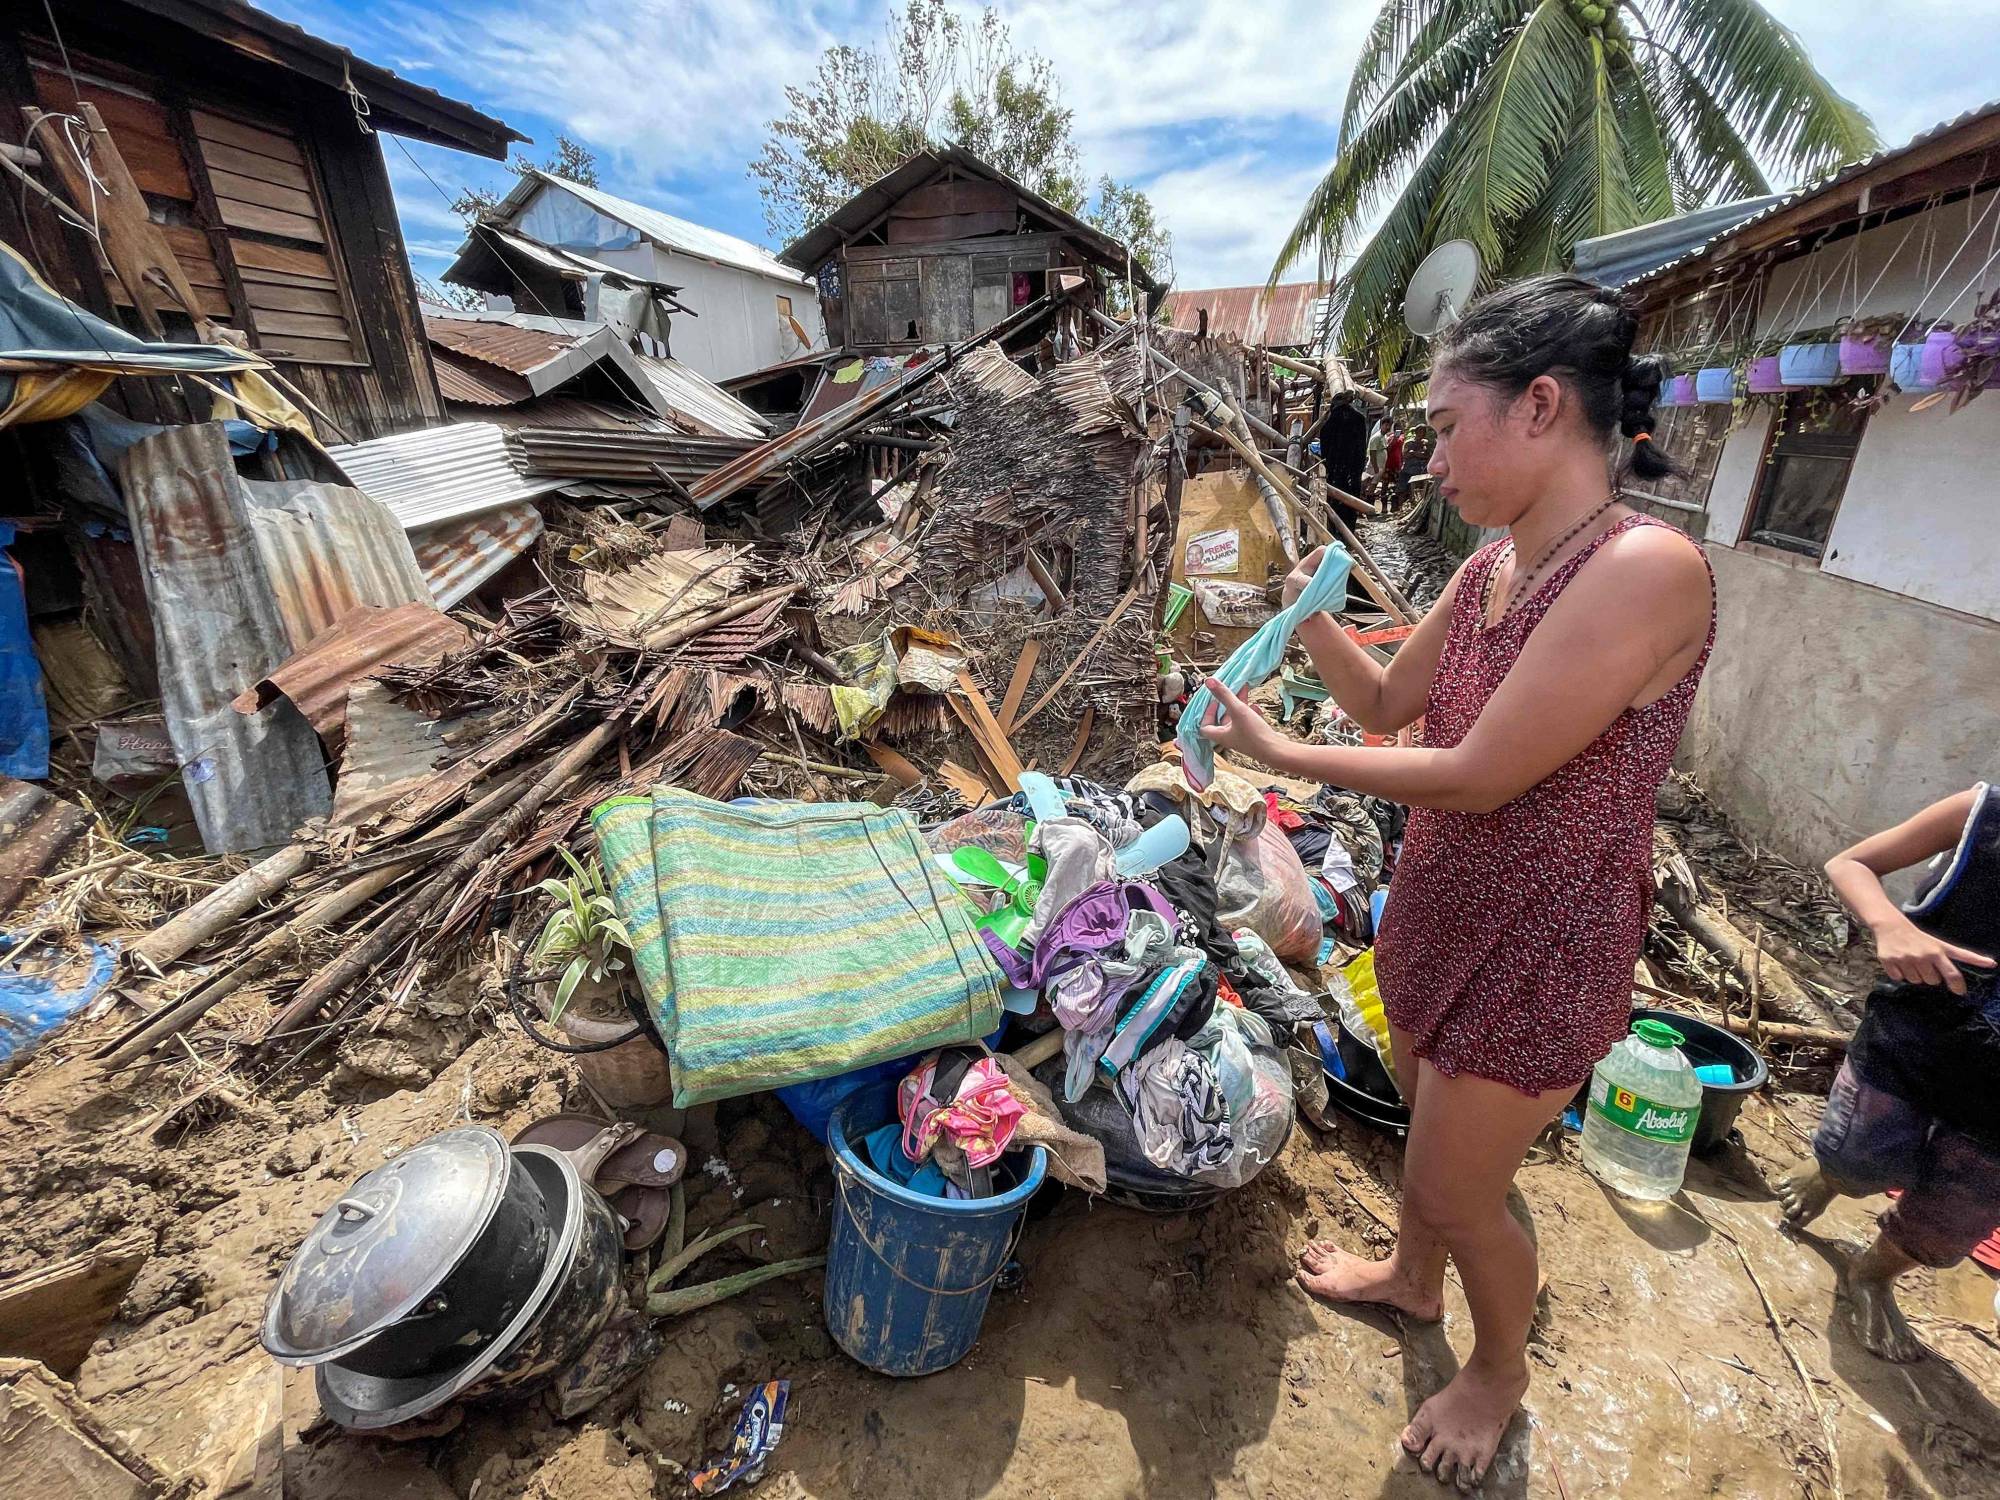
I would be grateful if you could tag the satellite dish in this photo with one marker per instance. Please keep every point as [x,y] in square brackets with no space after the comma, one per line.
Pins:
[1444,283]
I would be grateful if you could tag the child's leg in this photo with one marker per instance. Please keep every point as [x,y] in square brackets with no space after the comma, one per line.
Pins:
[1867,1141]
[1949,1207]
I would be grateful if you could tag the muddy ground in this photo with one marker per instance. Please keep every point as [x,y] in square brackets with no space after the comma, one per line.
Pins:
[1140,1356]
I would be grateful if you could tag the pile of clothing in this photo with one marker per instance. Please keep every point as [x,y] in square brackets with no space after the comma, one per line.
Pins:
[1347,844]
[1142,925]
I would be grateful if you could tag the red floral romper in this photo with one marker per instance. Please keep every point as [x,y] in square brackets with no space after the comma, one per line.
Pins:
[1507,946]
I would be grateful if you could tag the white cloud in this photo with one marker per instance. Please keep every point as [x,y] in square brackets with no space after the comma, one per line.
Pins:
[1910,65]
[1229,215]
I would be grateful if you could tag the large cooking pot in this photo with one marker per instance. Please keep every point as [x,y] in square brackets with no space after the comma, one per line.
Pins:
[424,1261]
[574,1296]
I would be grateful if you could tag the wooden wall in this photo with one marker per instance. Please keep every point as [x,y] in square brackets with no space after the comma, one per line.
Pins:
[275,202]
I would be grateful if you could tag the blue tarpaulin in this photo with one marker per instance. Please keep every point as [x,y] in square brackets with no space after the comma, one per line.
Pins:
[34,1004]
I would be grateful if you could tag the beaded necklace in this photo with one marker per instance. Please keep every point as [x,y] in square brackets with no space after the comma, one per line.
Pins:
[1519,588]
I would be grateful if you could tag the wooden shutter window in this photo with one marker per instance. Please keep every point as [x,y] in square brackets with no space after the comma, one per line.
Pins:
[271,212]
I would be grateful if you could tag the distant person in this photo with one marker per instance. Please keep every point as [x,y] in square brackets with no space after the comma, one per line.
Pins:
[1554,678]
[1416,457]
[1344,443]
[1916,1105]
[1378,451]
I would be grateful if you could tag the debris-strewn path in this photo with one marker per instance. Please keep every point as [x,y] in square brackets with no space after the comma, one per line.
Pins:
[1142,1356]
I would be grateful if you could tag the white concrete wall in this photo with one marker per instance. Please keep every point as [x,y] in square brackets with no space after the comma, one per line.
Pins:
[1844,697]
[1921,514]
[737,329]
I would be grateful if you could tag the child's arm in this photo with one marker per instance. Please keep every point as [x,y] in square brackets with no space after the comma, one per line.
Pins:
[1906,951]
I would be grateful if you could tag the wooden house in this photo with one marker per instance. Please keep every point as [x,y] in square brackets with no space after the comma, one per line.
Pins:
[254,146]
[944,247]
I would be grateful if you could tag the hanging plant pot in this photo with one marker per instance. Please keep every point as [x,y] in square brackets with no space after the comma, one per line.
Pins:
[1765,379]
[1906,367]
[1809,364]
[1864,354]
[1715,385]
[1679,391]
[1941,356]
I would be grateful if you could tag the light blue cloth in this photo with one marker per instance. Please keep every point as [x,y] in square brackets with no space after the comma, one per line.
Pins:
[1255,660]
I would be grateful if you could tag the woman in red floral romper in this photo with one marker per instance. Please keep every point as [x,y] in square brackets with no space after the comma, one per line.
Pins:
[1554,678]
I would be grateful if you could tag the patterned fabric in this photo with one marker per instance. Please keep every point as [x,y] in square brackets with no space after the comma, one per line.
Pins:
[1507,947]
[778,943]
[979,1118]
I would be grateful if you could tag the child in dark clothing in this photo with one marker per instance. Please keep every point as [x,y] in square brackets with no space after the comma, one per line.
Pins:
[1914,1106]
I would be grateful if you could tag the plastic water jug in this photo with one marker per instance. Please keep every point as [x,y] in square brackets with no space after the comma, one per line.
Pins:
[1645,1101]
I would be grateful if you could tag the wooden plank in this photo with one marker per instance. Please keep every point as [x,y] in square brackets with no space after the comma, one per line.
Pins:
[957,227]
[55,1314]
[222,158]
[140,128]
[230,187]
[271,221]
[1083,728]
[255,255]
[972,791]
[896,765]
[265,297]
[222,131]
[966,196]
[987,731]
[304,325]
[251,276]
[196,254]
[312,351]
[1017,685]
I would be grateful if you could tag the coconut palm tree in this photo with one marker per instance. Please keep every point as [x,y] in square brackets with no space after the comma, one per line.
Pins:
[1527,125]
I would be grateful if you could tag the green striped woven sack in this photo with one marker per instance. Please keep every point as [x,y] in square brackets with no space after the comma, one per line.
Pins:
[782,942]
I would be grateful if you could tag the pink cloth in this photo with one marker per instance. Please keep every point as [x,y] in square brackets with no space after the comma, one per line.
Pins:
[980,1120]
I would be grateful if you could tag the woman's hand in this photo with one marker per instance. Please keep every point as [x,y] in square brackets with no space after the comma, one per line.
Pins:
[1301,575]
[1241,728]
[1912,955]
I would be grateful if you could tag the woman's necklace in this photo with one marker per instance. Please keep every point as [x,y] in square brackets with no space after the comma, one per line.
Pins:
[1519,587]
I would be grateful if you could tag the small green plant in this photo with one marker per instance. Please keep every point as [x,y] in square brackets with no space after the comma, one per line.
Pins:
[585,928]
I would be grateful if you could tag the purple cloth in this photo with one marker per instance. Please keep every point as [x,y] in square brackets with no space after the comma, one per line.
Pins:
[1093,922]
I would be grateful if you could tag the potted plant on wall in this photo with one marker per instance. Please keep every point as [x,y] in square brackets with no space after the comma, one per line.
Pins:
[1762,372]
[1811,357]
[1971,362]
[585,934]
[1678,391]
[1865,342]
[1715,381]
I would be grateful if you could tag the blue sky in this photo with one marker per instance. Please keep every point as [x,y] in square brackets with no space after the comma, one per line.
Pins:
[1224,111]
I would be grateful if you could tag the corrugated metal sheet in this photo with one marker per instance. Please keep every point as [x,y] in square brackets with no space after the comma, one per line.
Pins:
[570,411]
[1615,259]
[251,781]
[561,454]
[692,395]
[459,556]
[327,548]
[391,750]
[477,383]
[1719,241]
[37,829]
[353,648]
[440,473]
[1282,317]
[504,344]
[665,229]
[563,262]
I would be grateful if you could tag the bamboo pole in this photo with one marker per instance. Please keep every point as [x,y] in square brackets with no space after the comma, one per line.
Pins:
[220,907]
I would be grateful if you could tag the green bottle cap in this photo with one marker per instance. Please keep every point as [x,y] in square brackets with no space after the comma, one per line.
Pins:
[1657,1033]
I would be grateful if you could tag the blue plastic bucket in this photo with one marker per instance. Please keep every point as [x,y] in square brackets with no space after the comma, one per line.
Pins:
[908,1276]
[1715,385]
[1809,364]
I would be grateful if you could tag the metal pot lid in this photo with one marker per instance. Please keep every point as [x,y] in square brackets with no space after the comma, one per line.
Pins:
[365,1402]
[373,1258]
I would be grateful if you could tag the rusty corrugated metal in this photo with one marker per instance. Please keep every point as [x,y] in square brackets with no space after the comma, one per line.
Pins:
[37,829]
[391,750]
[459,556]
[474,383]
[352,649]
[218,625]
[1281,317]
[327,548]
[511,348]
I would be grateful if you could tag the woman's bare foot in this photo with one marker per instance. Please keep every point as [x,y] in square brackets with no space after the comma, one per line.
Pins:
[1455,1434]
[1876,1319]
[1329,1272]
[1804,1192]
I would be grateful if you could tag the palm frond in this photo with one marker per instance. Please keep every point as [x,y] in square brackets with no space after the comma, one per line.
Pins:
[1381,53]
[1368,300]
[1762,79]
[1714,161]
[1648,159]
[1518,123]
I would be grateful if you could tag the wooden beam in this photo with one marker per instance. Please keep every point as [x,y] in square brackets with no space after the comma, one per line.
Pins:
[1017,686]
[54,1314]
[986,731]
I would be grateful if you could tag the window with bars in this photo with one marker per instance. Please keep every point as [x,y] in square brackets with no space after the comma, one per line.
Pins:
[238,203]
[1805,473]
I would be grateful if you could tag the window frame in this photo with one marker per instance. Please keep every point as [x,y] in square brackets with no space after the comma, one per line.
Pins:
[1776,438]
